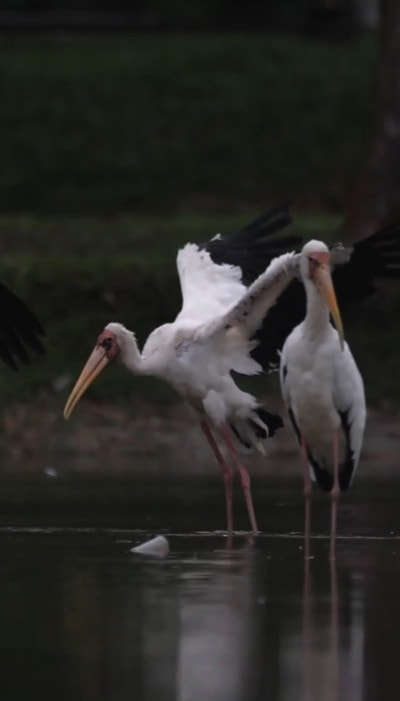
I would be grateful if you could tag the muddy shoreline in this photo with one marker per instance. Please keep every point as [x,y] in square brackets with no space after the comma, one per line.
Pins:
[161,438]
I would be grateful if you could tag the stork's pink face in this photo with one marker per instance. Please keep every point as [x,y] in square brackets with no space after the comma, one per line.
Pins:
[317,260]
[320,274]
[106,349]
[108,341]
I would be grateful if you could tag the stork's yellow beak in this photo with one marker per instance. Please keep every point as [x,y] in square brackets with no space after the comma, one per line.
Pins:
[323,281]
[96,363]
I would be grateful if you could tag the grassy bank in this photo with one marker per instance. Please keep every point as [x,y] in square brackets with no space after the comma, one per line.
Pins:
[176,123]
[78,274]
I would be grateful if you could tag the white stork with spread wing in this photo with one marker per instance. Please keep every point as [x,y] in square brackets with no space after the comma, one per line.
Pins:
[196,354]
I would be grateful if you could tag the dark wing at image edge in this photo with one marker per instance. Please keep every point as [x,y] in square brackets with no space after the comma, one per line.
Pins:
[373,258]
[19,330]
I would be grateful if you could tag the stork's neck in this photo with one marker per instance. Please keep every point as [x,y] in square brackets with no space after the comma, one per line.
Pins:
[132,358]
[317,319]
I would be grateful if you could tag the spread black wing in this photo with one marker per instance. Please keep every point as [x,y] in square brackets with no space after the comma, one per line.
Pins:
[252,248]
[20,330]
[373,258]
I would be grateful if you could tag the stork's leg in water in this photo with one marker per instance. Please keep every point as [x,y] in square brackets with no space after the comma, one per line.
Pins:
[244,475]
[307,498]
[226,474]
[334,494]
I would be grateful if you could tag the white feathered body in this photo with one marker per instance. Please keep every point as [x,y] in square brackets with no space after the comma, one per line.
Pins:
[322,388]
[210,337]
[197,368]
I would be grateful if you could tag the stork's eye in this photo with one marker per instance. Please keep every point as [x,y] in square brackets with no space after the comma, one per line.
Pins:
[106,344]
[314,262]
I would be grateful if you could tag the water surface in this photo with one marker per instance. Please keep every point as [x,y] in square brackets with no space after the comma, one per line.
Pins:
[83,618]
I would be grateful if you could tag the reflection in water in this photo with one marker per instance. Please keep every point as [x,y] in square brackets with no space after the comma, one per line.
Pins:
[332,663]
[320,644]
[167,631]
[81,617]
[214,641]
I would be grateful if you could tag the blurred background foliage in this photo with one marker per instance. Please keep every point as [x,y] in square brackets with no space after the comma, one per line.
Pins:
[125,132]
[104,125]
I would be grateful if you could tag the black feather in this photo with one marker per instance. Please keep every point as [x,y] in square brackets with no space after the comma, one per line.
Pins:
[272,421]
[346,468]
[240,438]
[19,328]
[251,248]
[373,258]
[295,426]
[323,477]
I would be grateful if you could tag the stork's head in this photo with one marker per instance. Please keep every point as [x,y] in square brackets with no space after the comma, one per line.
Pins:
[315,267]
[107,348]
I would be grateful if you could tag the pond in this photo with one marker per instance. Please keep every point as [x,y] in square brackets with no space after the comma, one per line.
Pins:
[82,617]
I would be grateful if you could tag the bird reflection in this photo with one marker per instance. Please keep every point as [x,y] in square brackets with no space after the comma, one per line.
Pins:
[311,646]
[334,628]
[306,629]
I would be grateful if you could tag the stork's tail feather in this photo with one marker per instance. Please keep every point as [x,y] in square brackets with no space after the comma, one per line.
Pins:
[322,476]
[345,479]
[270,420]
[346,472]
[240,438]
[261,426]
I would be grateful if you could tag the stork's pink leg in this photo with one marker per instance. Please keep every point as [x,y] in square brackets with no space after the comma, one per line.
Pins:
[307,498]
[226,474]
[244,475]
[334,494]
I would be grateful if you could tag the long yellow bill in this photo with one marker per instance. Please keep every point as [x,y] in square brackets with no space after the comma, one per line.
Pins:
[323,281]
[96,363]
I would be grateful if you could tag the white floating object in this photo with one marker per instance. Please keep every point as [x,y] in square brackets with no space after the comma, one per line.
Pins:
[156,547]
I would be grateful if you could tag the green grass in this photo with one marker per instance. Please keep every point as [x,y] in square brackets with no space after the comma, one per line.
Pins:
[178,123]
[79,274]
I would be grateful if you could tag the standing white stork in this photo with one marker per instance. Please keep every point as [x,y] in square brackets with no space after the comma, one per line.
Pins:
[223,327]
[322,388]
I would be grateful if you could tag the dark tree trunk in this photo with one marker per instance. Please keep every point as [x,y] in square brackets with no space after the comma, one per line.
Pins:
[377,196]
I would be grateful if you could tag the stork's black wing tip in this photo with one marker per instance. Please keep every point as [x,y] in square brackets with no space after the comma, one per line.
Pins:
[373,258]
[265,224]
[20,330]
[252,247]
[379,254]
